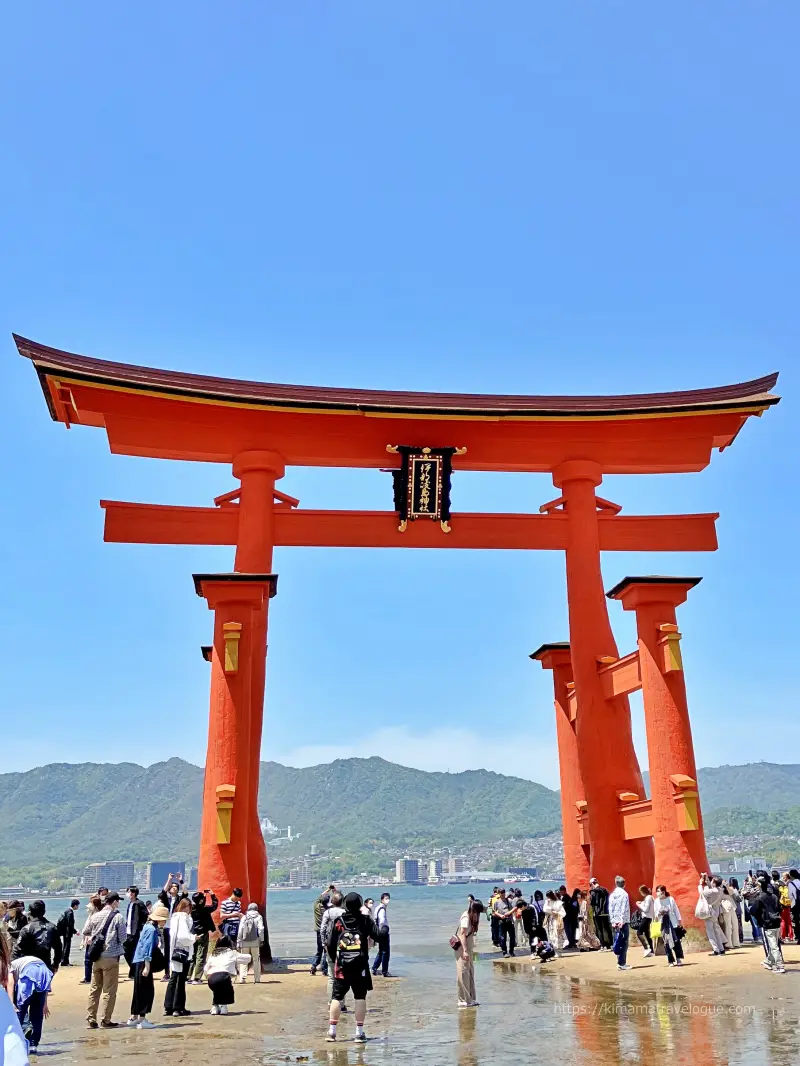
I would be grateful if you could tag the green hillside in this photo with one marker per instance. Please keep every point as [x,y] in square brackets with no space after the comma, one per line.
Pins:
[79,813]
[66,814]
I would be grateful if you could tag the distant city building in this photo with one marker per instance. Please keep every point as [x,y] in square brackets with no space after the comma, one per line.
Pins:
[434,868]
[300,876]
[455,864]
[158,872]
[406,870]
[115,876]
[191,879]
[314,849]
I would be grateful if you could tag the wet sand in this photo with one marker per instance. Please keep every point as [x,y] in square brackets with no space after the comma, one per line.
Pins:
[584,1008]
[737,969]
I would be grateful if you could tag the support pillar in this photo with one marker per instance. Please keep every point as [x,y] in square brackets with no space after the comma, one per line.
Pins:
[237,600]
[257,471]
[604,739]
[680,850]
[556,657]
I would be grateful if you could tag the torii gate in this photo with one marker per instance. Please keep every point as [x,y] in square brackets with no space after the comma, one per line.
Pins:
[259,429]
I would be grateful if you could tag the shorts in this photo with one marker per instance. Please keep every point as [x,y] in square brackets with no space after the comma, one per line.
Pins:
[359,983]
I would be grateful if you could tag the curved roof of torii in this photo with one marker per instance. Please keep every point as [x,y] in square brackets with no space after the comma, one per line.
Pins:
[170,415]
[746,396]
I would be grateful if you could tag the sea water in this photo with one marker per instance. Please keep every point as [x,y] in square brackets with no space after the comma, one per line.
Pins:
[525,1015]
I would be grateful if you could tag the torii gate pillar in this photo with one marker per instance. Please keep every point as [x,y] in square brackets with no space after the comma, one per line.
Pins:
[604,740]
[680,852]
[556,657]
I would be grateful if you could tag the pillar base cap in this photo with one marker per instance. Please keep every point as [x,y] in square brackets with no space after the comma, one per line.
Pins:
[236,579]
[651,580]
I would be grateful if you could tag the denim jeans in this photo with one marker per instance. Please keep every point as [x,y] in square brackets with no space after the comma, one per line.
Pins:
[31,1017]
[321,958]
[623,933]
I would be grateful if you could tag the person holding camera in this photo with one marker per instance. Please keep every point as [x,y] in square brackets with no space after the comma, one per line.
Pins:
[202,927]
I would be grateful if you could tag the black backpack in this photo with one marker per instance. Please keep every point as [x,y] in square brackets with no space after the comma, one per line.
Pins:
[349,950]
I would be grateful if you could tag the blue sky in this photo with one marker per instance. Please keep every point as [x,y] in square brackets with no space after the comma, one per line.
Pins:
[522,197]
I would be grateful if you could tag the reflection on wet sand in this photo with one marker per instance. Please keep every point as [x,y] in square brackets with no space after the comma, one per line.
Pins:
[467,1024]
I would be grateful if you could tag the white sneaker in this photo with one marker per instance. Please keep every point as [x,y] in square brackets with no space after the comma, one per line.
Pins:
[144,1024]
[132,1023]
[679,962]
[625,967]
[223,1009]
[779,970]
[647,954]
[462,1003]
[214,1009]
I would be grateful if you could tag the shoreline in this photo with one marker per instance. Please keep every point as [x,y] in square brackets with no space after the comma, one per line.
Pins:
[737,968]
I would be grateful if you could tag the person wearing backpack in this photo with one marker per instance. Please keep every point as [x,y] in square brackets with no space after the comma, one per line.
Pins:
[148,959]
[349,948]
[766,909]
[248,942]
[66,930]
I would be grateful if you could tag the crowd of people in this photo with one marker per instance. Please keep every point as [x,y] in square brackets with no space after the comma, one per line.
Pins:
[176,937]
[599,920]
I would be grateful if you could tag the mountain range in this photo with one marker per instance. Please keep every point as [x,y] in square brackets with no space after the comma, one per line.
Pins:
[77,813]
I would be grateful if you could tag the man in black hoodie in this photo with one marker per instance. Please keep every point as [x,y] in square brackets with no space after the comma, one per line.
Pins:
[348,946]
[766,909]
[39,938]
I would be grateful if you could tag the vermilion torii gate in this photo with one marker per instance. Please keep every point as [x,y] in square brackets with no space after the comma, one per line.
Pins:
[258,429]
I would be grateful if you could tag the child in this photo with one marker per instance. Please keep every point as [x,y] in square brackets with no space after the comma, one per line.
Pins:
[219,970]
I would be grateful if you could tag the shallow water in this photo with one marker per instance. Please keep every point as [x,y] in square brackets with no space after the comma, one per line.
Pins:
[526,1015]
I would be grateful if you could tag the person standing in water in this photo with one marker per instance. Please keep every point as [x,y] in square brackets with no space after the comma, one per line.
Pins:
[465,955]
[384,948]
[349,947]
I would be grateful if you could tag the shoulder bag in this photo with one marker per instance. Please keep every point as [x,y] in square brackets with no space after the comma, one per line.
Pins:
[97,945]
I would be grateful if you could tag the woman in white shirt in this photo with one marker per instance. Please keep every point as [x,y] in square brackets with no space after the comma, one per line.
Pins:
[727,917]
[465,953]
[220,969]
[666,909]
[647,907]
[181,943]
[554,922]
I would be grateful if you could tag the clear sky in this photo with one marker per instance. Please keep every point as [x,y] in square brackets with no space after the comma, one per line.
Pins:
[517,197]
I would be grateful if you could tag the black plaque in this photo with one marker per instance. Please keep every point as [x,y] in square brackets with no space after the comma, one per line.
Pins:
[422,484]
